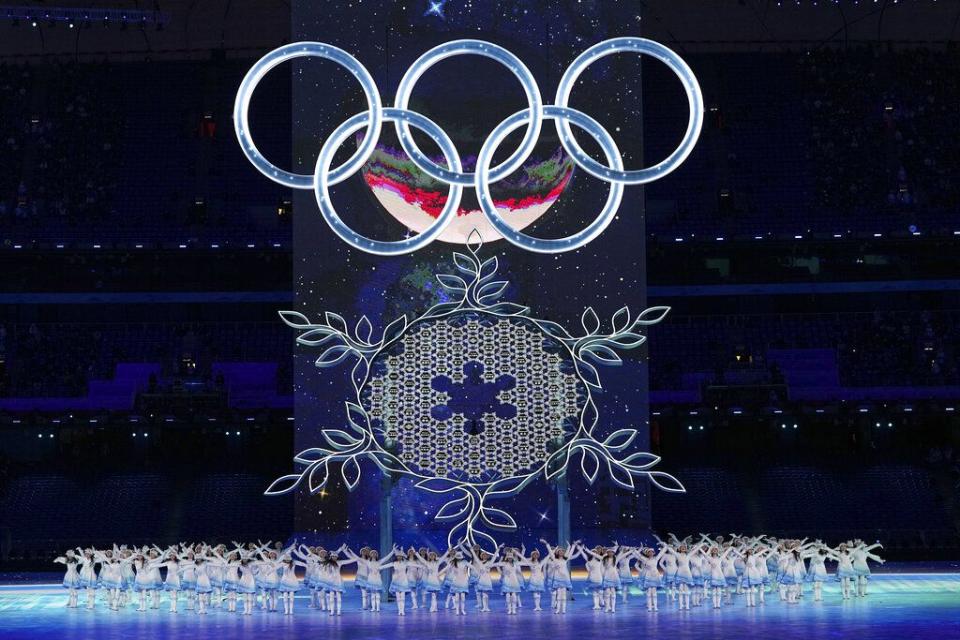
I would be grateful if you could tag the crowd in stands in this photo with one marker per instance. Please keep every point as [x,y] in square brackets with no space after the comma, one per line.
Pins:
[827,141]
[886,349]
[59,360]
[104,152]
[878,120]
[871,349]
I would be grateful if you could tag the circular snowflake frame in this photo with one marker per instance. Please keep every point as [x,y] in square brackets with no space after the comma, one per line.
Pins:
[474,290]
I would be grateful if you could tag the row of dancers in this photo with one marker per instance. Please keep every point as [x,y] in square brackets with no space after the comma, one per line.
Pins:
[691,572]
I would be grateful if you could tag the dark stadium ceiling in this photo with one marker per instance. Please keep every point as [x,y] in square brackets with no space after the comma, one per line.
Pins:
[192,28]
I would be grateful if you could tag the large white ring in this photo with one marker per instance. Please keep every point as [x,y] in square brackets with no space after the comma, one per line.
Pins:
[494,52]
[690,86]
[241,108]
[347,234]
[521,239]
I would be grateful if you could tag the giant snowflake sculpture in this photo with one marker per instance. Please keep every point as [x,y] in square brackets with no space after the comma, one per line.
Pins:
[474,399]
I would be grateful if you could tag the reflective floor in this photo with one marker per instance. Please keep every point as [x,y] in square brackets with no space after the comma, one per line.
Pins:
[900,605]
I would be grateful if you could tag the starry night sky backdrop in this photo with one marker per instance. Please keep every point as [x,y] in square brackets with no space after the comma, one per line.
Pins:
[468,96]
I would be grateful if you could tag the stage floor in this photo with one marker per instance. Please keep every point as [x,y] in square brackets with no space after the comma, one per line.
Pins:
[900,605]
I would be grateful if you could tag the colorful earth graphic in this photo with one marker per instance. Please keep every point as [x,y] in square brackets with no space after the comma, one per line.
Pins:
[415,199]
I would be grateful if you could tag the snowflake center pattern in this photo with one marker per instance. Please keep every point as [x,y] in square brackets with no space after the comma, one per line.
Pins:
[475,396]
[472,396]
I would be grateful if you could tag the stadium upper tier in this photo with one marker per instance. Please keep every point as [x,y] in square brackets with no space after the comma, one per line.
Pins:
[796,145]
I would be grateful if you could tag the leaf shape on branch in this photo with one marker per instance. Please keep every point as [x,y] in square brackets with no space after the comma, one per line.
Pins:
[602,354]
[498,519]
[489,268]
[357,416]
[491,291]
[589,373]
[474,241]
[295,319]
[666,482]
[653,315]
[456,508]
[620,439]
[627,340]
[340,440]
[589,416]
[334,355]
[621,475]
[318,337]
[621,320]
[364,330]
[465,263]
[508,309]
[310,456]
[359,374]
[590,321]
[451,282]
[336,321]
[350,471]
[485,540]
[283,484]
[640,460]
[589,464]
[437,485]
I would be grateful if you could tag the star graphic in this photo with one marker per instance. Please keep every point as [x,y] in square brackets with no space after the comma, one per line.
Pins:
[435,8]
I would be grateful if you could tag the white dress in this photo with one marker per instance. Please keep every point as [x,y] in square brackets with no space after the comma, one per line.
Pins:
[611,575]
[288,578]
[71,579]
[511,580]
[374,579]
[560,574]
[459,572]
[594,573]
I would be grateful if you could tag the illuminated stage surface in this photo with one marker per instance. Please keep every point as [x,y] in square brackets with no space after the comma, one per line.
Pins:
[900,605]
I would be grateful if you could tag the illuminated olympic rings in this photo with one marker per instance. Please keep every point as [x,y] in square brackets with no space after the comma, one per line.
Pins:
[452,174]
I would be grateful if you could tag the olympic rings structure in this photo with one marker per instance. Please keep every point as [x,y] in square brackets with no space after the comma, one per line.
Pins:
[325,175]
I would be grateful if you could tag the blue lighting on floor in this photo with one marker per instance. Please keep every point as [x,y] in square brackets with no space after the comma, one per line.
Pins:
[901,605]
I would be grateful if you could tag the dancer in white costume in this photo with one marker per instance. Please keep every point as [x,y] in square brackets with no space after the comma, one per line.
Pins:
[335,580]
[171,584]
[668,562]
[400,579]
[559,572]
[537,581]
[683,574]
[147,582]
[457,573]
[201,572]
[650,579]
[625,558]
[861,553]
[713,567]
[593,561]
[71,579]
[511,581]
[483,563]
[88,575]
[430,565]
[611,578]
